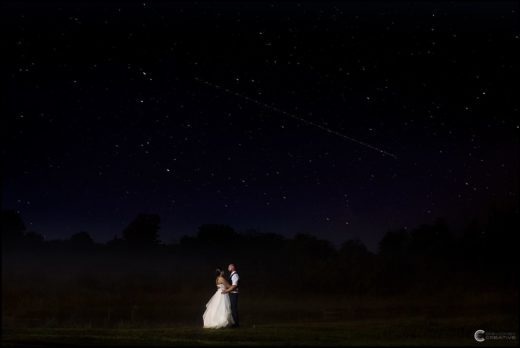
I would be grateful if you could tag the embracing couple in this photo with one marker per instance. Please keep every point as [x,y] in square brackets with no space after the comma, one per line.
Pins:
[221,309]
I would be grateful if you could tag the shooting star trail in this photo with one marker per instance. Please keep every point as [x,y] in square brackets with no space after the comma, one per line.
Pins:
[293,116]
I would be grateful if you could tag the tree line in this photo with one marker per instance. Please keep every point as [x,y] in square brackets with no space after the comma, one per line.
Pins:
[423,258]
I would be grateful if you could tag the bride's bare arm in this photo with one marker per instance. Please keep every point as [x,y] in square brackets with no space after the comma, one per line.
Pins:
[226,283]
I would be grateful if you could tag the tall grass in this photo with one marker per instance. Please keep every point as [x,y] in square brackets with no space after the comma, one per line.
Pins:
[111,291]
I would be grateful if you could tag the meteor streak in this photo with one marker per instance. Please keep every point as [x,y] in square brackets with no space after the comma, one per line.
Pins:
[293,116]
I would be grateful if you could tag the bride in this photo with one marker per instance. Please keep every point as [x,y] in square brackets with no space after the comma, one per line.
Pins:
[218,308]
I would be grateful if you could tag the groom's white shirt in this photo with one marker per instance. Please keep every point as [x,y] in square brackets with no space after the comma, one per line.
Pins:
[234,281]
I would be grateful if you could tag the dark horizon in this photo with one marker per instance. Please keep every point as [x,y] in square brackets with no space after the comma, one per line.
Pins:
[509,210]
[103,235]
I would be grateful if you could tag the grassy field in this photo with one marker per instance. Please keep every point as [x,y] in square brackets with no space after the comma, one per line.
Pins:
[411,331]
[60,308]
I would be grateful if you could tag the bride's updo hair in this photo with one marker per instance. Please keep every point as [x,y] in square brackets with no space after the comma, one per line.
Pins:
[218,272]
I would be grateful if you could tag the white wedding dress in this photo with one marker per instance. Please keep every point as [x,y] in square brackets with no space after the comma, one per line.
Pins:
[218,310]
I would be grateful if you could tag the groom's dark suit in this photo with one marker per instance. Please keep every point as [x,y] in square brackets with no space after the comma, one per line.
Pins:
[233,296]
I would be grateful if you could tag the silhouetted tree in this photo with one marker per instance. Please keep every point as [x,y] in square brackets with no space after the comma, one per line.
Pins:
[81,240]
[13,228]
[472,231]
[33,239]
[354,266]
[308,259]
[188,241]
[430,238]
[143,230]
[394,269]
[214,233]
[500,239]
[116,243]
[431,251]
[353,249]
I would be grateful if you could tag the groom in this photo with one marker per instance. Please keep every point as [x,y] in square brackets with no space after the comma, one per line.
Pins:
[233,292]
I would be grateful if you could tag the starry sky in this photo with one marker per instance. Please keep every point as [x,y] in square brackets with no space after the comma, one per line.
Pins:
[342,120]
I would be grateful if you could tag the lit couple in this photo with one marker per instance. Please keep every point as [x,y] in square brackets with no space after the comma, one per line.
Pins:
[221,309]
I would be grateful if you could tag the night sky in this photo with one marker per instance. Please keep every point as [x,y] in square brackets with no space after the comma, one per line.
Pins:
[342,120]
